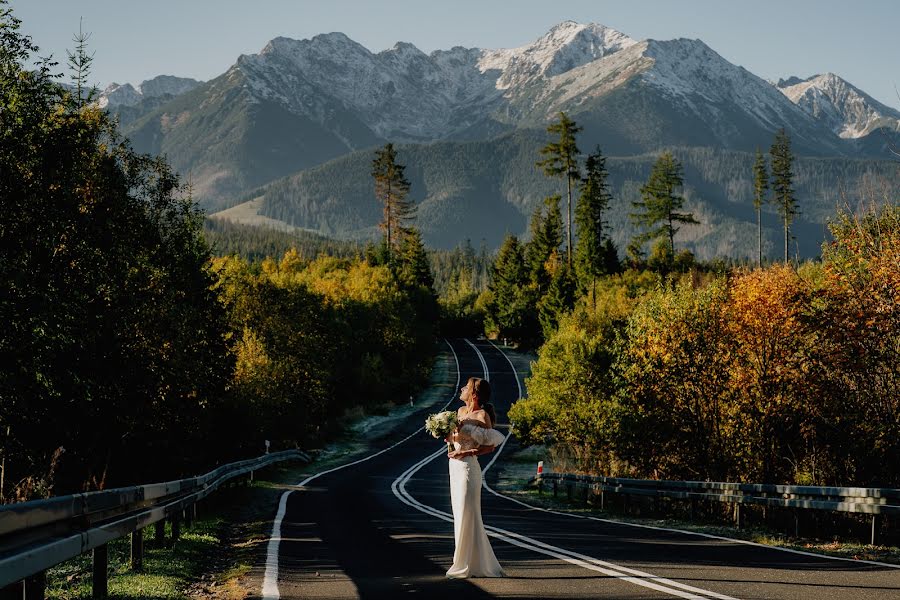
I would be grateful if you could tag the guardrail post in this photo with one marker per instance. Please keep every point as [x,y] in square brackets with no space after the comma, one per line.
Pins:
[35,586]
[602,499]
[693,508]
[555,488]
[137,550]
[159,532]
[874,528]
[738,516]
[176,527]
[188,517]
[100,575]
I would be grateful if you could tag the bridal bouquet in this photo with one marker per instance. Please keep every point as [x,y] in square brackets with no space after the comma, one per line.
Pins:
[440,425]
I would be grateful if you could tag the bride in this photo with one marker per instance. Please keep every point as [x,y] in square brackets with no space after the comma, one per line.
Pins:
[474,435]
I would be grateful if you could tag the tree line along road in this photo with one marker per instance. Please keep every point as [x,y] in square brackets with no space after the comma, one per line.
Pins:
[381,527]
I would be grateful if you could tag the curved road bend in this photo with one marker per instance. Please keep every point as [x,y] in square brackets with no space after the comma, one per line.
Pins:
[381,529]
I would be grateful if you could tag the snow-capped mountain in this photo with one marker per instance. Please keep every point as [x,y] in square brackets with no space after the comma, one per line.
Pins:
[167,86]
[300,103]
[119,95]
[403,93]
[565,47]
[840,106]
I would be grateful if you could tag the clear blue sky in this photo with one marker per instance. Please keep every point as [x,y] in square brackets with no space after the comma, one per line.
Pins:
[138,39]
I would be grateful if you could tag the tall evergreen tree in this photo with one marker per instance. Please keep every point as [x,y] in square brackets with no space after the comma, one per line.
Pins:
[562,161]
[80,66]
[509,311]
[391,189]
[760,187]
[590,252]
[783,183]
[546,238]
[660,202]
[414,267]
[560,298]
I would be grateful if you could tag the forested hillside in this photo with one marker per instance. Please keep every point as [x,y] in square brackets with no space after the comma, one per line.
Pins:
[484,190]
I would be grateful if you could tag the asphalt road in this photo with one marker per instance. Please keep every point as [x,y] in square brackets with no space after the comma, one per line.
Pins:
[382,528]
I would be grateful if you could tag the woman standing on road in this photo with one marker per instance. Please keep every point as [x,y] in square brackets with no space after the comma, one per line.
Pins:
[475,435]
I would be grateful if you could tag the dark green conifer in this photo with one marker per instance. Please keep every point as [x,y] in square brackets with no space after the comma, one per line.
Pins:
[562,161]
[391,190]
[660,202]
[760,187]
[546,238]
[783,183]
[559,299]
[414,268]
[80,66]
[590,253]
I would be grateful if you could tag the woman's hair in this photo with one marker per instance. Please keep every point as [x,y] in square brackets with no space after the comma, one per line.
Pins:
[482,389]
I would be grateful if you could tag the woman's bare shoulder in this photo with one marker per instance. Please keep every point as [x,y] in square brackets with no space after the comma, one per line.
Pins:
[479,418]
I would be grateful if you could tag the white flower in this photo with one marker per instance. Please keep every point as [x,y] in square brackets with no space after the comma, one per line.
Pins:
[441,424]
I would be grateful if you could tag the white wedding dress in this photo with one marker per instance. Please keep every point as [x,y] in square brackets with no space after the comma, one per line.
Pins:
[473,556]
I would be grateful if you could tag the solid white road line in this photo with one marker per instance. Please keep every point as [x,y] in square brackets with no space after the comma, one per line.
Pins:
[634,576]
[270,589]
[487,374]
[641,578]
[667,529]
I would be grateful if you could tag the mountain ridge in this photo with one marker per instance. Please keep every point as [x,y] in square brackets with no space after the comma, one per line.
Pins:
[300,104]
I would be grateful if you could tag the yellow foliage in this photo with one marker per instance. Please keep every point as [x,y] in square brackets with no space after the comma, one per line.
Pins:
[252,359]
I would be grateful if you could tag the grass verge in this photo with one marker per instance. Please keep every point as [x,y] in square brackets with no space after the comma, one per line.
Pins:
[214,558]
[516,479]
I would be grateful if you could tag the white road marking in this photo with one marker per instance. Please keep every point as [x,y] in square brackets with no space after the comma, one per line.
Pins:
[641,578]
[667,529]
[634,576]
[487,374]
[270,589]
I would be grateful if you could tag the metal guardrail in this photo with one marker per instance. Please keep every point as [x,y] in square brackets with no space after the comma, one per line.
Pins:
[40,534]
[869,501]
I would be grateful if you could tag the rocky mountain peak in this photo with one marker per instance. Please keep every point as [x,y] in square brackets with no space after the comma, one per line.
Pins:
[566,46]
[844,108]
[166,85]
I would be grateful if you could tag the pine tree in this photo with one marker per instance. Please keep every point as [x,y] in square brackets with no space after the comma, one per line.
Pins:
[783,184]
[590,253]
[414,267]
[391,189]
[760,187]
[80,65]
[546,238]
[659,204]
[508,308]
[560,298]
[611,262]
[562,161]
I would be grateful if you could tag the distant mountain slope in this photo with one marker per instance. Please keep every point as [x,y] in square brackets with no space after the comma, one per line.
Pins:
[227,141]
[842,107]
[130,103]
[482,190]
[301,103]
